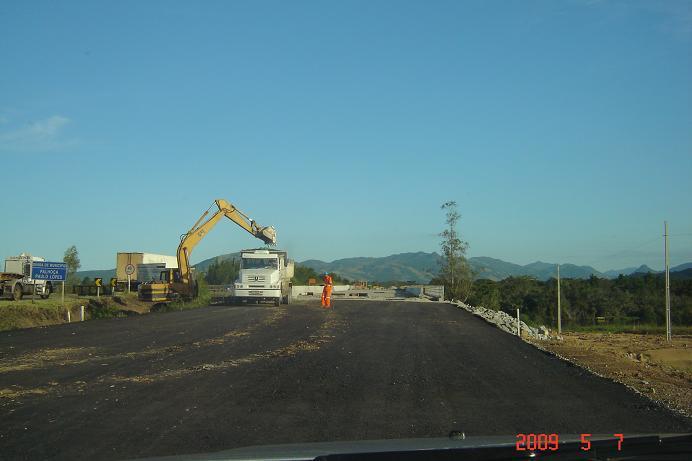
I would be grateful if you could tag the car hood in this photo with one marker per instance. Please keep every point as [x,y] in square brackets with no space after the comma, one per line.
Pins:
[490,445]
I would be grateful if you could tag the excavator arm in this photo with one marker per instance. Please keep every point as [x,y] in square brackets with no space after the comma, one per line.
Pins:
[189,240]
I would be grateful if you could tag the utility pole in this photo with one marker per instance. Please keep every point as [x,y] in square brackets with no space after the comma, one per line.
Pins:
[559,312]
[668,323]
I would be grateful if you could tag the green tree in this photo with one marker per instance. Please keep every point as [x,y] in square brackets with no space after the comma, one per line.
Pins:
[222,272]
[625,300]
[71,257]
[485,293]
[339,280]
[301,275]
[455,271]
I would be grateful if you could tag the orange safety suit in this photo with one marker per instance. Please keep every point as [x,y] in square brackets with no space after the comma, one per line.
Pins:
[327,292]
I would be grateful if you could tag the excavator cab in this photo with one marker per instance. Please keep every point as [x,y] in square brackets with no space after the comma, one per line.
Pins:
[170,275]
[162,290]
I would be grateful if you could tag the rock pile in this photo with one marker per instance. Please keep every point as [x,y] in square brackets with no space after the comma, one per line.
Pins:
[505,322]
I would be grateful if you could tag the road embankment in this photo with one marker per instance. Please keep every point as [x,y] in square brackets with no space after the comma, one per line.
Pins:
[26,313]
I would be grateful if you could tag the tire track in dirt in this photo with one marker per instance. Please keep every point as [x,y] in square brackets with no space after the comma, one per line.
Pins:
[51,357]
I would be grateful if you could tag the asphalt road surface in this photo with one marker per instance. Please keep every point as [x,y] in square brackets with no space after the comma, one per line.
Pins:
[222,377]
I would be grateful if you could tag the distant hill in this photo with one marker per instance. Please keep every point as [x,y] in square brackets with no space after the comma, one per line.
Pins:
[545,271]
[681,267]
[494,269]
[105,274]
[421,267]
[685,274]
[203,265]
[643,269]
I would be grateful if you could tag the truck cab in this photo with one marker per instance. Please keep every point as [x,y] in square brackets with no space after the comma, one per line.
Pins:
[16,279]
[265,276]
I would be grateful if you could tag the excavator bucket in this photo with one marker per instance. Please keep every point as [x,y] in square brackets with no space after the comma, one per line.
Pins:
[267,235]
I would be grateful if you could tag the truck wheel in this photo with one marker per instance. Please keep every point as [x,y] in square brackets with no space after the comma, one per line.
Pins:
[47,291]
[17,292]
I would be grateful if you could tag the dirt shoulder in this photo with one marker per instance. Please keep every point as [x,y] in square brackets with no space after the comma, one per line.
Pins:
[645,363]
[42,312]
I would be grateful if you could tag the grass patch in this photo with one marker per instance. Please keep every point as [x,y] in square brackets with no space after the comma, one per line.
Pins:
[203,299]
[642,329]
[52,311]
[52,302]
[103,308]
[14,316]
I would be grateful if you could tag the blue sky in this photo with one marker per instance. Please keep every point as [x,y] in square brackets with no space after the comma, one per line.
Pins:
[562,129]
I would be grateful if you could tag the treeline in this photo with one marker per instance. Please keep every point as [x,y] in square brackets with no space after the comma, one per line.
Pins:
[224,272]
[627,299]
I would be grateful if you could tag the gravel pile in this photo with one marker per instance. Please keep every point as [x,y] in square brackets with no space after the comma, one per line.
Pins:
[505,322]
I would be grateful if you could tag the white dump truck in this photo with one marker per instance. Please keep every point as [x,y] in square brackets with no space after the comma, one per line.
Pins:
[16,280]
[265,276]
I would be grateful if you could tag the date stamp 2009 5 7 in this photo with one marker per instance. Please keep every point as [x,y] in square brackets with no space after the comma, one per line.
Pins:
[545,442]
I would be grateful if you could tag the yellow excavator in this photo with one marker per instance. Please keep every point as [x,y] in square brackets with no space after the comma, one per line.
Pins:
[179,283]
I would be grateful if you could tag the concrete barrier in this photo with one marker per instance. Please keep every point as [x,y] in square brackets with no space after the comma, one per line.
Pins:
[316,290]
[417,292]
[434,292]
[430,292]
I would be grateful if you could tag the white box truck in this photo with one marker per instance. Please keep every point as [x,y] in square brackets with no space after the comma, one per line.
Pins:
[265,276]
[16,279]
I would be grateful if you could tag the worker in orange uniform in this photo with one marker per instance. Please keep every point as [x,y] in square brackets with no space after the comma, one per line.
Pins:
[327,291]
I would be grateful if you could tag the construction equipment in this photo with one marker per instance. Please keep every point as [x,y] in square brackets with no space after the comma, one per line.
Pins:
[179,282]
[265,275]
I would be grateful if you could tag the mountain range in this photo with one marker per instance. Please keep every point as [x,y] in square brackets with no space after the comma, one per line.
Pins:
[421,267]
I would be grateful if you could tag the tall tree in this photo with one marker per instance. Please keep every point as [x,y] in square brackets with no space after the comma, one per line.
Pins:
[73,264]
[455,270]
